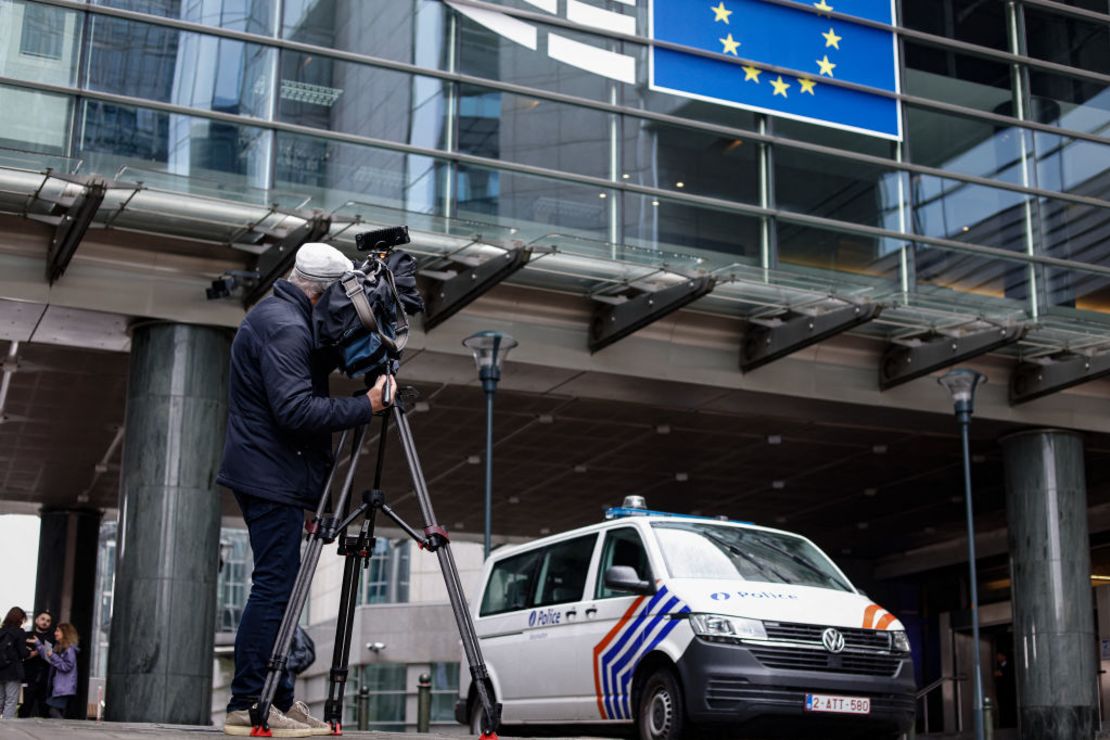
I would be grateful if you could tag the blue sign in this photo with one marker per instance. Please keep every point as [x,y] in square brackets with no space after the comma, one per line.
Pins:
[743,36]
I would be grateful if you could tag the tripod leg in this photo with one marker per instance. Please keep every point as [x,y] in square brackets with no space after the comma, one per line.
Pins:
[471,646]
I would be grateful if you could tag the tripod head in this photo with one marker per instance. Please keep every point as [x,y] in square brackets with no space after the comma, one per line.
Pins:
[394,394]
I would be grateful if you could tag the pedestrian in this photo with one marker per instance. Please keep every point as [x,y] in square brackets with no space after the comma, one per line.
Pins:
[277,454]
[62,657]
[36,671]
[13,649]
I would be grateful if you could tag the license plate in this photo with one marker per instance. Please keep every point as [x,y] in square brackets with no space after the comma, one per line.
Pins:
[838,704]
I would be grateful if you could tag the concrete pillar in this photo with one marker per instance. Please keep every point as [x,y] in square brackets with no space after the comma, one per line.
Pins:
[1054,633]
[65,583]
[163,620]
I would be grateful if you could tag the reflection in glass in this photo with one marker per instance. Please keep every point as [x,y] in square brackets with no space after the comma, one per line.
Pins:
[334,173]
[951,209]
[39,43]
[964,145]
[410,31]
[191,69]
[533,131]
[945,275]
[942,74]
[720,237]
[116,135]
[1068,40]
[973,21]
[34,121]
[536,205]
[824,249]
[834,188]
[1069,102]
[252,16]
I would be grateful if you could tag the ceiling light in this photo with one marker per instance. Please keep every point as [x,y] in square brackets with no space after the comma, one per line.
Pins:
[695,512]
[459,525]
[956,499]
[474,460]
[545,419]
[778,485]
[879,449]
[421,407]
[663,429]
[978,459]
[774,439]
[845,551]
[625,176]
[580,468]
[680,184]
[930,530]
[862,525]
[966,229]
[655,203]
[545,530]
[780,520]
[514,499]
[682,477]
[603,196]
[870,492]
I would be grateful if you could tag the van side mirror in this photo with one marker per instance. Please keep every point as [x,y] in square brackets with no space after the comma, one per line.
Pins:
[625,578]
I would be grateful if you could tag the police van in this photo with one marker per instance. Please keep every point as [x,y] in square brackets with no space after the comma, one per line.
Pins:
[667,622]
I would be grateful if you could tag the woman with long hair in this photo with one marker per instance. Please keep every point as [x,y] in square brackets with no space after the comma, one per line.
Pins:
[13,649]
[63,668]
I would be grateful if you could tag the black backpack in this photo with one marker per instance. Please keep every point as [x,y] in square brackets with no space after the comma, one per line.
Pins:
[363,314]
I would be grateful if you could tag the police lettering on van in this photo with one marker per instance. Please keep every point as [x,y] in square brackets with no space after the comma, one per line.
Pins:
[666,622]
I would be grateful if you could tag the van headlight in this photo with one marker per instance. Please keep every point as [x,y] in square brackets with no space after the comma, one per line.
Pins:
[721,628]
[900,642]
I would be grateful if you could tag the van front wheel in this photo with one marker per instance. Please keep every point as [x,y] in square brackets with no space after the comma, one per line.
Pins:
[660,715]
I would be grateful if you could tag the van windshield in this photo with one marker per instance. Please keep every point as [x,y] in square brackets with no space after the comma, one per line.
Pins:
[703,550]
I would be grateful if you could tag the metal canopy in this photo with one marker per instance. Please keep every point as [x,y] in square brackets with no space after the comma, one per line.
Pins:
[1032,380]
[616,321]
[278,259]
[902,363]
[453,291]
[765,342]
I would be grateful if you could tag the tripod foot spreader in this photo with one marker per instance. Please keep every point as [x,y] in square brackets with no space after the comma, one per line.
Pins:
[330,526]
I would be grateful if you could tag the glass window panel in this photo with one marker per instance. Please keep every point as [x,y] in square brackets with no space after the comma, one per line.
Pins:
[510,584]
[535,205]
[39,43]
[805,248]
[622,547]
[191,69]
[675,158]
[970,280]
[34,121]
[563,571]
[964,145]
[485,54]
[837,188]
[1073,231]
[252,16]
[941,74]
[829,136]
[973,21]
[1067,40]
[719,237]
[532,131]
[1069,102]
[1071,165]
[360,99]
[1070,292]
[973,213]
[445,691]
[334,173]
[412,31]
[116,135]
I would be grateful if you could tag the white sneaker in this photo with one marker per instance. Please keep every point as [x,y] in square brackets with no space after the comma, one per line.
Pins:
[239,724]
[299,713]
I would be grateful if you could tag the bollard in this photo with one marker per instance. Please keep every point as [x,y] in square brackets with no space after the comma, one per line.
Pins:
[363,712]
[988,718]
[424,703]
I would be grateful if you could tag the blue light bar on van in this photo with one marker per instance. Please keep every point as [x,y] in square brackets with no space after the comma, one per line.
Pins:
[620,512]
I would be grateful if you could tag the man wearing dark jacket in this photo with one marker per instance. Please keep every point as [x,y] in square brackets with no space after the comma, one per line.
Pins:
[276,459]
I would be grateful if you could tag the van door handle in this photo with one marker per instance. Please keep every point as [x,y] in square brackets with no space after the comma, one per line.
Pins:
[591,612]
[571,613]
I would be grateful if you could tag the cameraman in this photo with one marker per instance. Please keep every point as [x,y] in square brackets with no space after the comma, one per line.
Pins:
[276,459]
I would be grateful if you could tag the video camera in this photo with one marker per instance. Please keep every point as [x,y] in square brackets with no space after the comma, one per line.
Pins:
[364,315]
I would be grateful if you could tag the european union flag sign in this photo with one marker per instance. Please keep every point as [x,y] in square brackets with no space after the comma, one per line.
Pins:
[799,36]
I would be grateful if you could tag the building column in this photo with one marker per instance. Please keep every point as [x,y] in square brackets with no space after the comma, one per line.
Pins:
[65,583]
[163,621]
[1050,564]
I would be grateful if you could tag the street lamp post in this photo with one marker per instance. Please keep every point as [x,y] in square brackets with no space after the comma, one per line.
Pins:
[961,384]
[490,349]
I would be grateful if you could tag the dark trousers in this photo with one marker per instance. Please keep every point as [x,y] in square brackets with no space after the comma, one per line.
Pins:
[35,695]
[275,534]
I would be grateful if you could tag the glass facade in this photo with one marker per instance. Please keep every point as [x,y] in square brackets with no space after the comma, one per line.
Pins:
[412,105]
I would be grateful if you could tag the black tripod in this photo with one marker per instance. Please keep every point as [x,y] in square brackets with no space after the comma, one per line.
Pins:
[326,527]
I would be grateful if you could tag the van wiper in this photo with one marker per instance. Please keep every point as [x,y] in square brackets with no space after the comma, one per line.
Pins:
[736,550]
[801,561]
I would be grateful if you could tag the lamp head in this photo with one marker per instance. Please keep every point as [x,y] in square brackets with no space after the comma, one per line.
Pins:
[490,349]
[961,384]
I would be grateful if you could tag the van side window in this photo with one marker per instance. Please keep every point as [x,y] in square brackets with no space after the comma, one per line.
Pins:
[562,576]
[510,584]
[622,547]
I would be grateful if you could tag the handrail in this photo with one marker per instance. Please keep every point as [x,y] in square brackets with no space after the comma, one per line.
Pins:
[924,694]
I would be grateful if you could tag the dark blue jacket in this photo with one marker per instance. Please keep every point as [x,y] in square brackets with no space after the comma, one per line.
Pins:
[280,418]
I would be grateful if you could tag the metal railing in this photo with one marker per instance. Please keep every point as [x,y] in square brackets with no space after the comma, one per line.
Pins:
[923,695]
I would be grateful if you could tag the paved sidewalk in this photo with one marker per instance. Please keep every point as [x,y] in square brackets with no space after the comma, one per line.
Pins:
[42,729]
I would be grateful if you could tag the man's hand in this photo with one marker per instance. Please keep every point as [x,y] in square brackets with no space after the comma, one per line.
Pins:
[376,393]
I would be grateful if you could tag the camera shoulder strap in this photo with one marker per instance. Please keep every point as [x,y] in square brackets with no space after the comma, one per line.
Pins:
[353,287]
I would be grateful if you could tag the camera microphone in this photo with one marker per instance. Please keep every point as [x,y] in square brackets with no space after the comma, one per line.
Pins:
[382,240]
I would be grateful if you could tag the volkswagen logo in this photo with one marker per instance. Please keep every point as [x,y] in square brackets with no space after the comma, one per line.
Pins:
[833,640]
